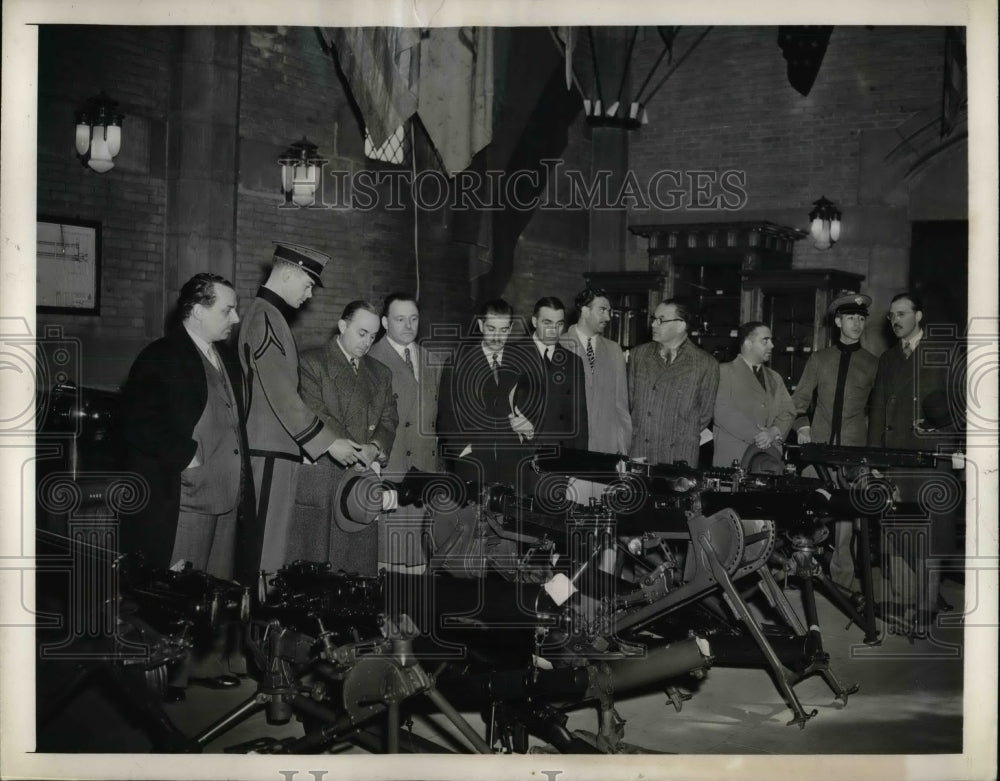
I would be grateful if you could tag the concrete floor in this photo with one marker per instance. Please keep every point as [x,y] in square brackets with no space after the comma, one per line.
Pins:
[910,702]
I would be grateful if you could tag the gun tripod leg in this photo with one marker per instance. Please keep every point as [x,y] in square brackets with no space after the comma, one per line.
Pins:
[782,675]
[777,597]
[240,713]
[449,712]
[820,659]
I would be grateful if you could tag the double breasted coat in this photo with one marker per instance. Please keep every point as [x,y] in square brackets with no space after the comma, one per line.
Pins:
[353,406]
[609,423]
[743,407]
[671,404]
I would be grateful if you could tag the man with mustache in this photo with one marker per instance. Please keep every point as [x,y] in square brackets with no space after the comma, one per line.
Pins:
[913,408]
[609,425]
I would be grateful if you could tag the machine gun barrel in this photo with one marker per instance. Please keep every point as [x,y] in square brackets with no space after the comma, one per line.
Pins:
[799,505]
[874,457]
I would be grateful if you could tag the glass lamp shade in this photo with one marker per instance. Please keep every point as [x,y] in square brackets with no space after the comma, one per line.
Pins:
[100,156]
[835,230]
[816,228]
[113,134]
[82,138]
[304,185]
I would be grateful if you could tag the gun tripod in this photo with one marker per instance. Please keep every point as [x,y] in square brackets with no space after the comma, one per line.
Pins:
[375,685]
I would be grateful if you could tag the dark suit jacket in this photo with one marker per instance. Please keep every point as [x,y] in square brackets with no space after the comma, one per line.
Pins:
[553,396]
[472,412]
[162,401]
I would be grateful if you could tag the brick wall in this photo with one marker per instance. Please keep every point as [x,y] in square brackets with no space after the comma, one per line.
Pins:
[129,201]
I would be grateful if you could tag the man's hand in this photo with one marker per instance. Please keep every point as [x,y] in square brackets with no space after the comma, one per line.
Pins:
[521,425]
[766,436]
[345,451]
[803,435]
[368,453]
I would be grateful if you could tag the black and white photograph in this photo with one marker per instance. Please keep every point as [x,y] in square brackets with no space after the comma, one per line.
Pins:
[431,390]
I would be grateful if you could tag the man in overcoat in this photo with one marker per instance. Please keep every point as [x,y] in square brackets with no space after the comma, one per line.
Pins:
[752,407]
[280,427]
[609,424]
[182,422]
[672,386]
[415,382]
[352,394]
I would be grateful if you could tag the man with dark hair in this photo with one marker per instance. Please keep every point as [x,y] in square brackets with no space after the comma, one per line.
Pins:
[183,410]
[182,417]
[840,380]
[477,440]
[415,382]
[550,395]
[752,408]
[672,386]
[609,425]
[351,392]
[913,407]
[280,427]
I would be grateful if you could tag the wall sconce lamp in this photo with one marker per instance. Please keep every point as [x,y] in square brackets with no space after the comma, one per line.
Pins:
[99,133]
[301,168]
[824,223]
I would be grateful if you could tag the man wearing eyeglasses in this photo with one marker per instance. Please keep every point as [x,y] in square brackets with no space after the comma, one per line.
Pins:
[840,380]
[672,388]
[914,407]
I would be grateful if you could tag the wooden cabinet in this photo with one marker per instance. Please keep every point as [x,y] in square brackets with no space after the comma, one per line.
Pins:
[793,303]
[634,296]
[703,265]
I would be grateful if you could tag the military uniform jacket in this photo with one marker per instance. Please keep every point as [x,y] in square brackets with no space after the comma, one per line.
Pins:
[279,423]
[609,424]
[743,407]
[819,378]
[671,405]
[416,406]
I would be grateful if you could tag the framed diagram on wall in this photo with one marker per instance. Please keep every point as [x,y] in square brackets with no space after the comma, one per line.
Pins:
[68,266]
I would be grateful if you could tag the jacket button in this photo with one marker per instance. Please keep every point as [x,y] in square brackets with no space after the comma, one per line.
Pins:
[407,424]
[654,387]
[888,428]
[408,452]
[236,452]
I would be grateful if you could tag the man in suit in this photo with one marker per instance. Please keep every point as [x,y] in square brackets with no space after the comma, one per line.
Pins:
[352,394]
[415,382]
[280,426]
[839,379]
[672,385]
[752,407]
[477,438]
[609,424]
[551,391]
[182,419]
[913,407]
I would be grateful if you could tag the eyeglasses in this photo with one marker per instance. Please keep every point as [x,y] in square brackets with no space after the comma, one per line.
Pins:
[896,316]
[664,320]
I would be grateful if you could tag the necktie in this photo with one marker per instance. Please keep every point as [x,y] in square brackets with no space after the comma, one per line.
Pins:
[214,358]
[907,350]
[496,369]
[354,365]
[548,355]
[760,376]
[409,361]
[590,353]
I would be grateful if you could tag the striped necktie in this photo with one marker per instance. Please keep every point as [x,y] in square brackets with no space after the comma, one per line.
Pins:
[354,365]
[590,353]
[409,362]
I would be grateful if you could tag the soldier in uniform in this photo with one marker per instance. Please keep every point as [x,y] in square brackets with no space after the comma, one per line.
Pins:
[280,427]
[840,378]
